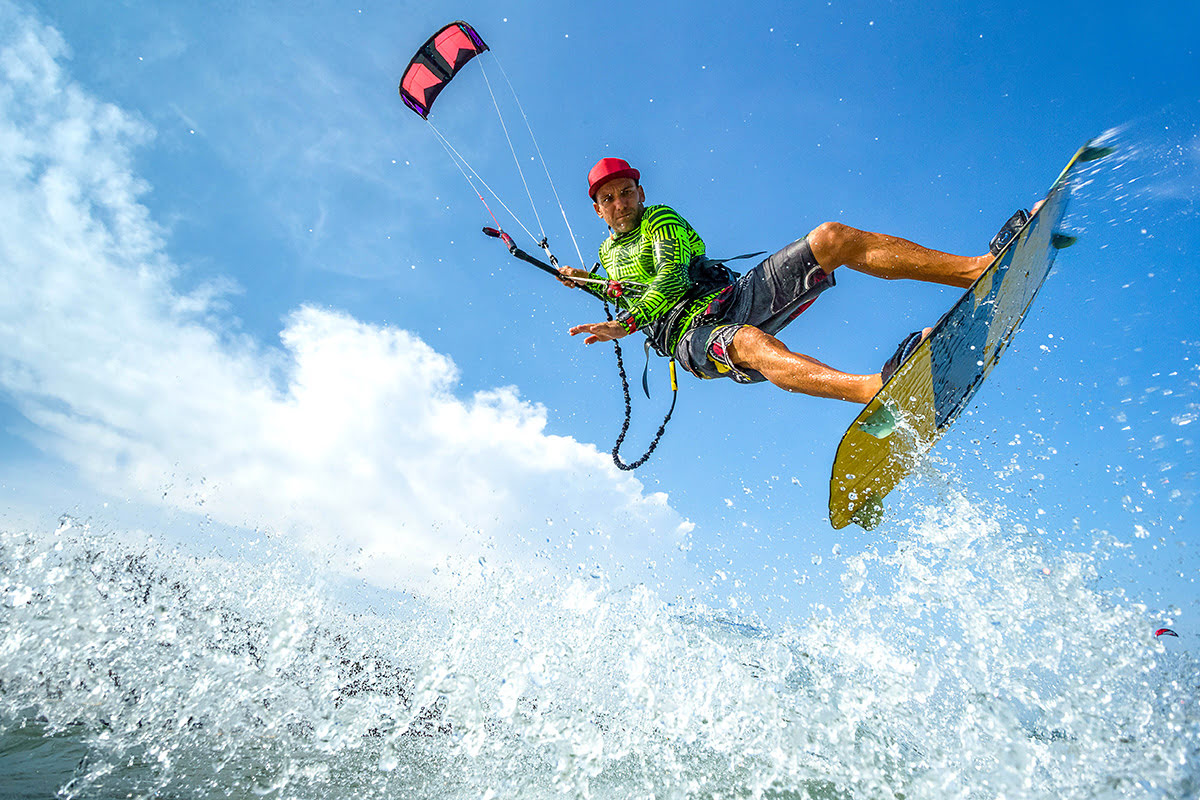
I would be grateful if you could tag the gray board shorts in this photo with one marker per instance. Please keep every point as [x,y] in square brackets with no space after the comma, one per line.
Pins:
[769,296]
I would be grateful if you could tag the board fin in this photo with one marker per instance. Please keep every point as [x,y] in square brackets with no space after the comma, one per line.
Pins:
[880,424]
[869,514]
[1061,241]
[1094,152]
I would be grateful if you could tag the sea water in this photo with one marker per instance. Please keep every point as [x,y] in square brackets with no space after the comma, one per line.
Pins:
[968,661]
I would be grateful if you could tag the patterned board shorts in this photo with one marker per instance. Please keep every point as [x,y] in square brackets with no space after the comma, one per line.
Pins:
[768,297]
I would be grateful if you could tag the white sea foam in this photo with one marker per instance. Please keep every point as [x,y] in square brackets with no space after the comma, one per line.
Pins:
[968,662]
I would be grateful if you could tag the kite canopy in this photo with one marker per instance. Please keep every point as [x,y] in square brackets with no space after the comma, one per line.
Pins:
[436,63]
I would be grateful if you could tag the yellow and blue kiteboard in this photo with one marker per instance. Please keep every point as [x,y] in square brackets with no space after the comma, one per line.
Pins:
[931,388]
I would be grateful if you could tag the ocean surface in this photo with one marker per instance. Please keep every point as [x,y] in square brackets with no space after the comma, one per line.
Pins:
[968,662]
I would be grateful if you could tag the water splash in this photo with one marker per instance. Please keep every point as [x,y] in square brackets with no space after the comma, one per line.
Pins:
[969,661]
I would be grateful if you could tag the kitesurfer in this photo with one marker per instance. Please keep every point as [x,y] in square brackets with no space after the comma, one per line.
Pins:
[719,325]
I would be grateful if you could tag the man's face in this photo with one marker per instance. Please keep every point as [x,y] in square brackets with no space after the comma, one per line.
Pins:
[619,203]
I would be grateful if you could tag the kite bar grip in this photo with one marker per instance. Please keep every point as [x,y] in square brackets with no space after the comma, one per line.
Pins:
[495,233]
[504,237]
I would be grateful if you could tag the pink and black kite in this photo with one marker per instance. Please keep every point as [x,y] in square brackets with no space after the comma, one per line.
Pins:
[436,63]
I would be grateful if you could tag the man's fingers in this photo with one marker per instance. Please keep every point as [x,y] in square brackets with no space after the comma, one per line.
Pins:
[566,276]
[600,332]
[589,329]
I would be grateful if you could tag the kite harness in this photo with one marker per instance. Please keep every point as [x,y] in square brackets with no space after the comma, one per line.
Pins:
[431,69]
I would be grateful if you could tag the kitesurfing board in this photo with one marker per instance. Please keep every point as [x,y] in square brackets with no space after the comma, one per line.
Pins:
[936,382]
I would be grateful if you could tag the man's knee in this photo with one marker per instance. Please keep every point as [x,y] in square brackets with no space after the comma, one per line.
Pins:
[829,242]
[752,348]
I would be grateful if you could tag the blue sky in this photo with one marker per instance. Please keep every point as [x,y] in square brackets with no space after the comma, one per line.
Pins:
[249,286]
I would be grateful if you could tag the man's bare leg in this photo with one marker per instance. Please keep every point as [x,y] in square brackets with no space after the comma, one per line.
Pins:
[835,245]
[753,349]
[890,257]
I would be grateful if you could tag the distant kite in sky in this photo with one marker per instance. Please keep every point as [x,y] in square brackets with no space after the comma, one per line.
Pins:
[1165,632]
[436,63]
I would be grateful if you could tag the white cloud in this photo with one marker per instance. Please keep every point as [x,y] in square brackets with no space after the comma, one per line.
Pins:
[349,433]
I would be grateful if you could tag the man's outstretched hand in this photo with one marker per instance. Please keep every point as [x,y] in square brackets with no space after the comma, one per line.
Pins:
[600,331]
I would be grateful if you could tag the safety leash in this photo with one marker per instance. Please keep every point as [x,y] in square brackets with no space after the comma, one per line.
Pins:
[616,451]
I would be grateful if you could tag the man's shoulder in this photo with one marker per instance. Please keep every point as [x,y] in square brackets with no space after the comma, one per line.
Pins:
[656,220]
[661,216]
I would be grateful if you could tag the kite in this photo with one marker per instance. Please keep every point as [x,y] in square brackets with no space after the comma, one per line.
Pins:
[436,63]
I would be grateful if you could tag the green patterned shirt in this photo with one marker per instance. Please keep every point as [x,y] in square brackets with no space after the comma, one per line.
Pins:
[657,253]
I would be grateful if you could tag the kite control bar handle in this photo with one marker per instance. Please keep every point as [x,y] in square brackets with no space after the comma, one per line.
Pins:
[614,289]
[504,237]
[495,233]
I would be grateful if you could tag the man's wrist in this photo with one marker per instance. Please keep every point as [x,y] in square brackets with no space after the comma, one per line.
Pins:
[627,321]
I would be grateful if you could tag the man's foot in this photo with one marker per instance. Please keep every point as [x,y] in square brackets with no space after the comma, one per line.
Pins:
[906,349]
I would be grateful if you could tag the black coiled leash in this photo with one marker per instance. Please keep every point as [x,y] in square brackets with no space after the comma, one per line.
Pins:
[616,451]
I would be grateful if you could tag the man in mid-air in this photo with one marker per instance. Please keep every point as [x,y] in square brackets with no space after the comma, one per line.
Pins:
[719,325]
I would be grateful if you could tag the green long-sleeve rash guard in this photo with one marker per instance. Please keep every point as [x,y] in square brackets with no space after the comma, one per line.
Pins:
[657,254]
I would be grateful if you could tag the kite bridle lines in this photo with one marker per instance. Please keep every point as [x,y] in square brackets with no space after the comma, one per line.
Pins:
[435,63]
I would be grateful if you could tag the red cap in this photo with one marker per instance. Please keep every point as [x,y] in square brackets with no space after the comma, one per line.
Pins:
[607,169]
